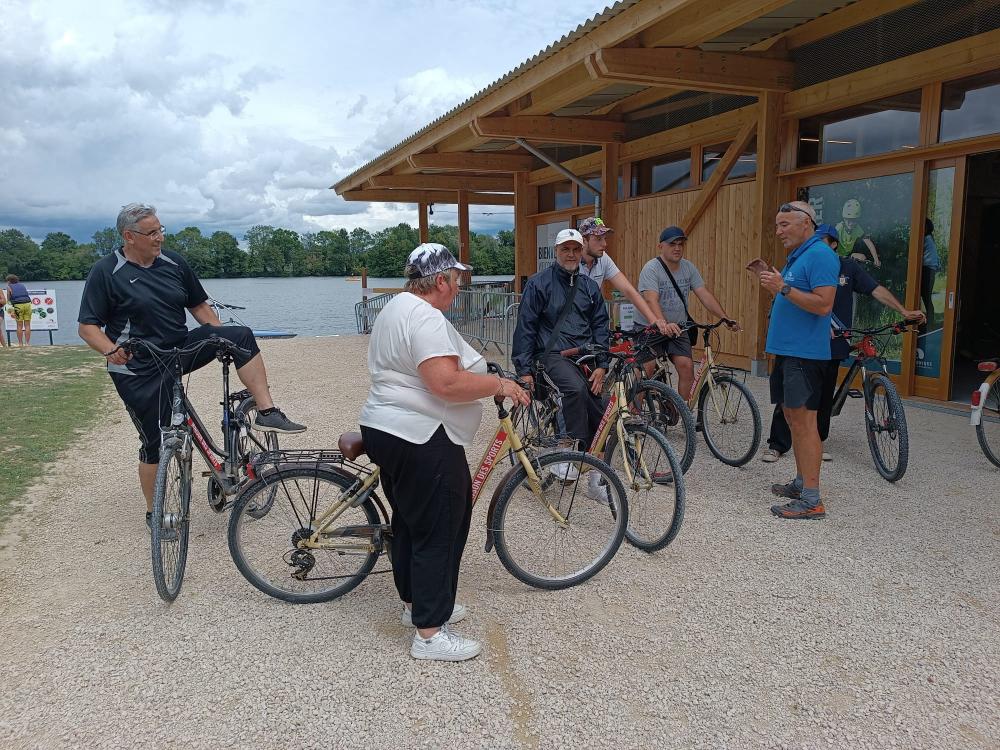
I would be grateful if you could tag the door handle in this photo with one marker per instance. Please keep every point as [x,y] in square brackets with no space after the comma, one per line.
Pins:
[951,300]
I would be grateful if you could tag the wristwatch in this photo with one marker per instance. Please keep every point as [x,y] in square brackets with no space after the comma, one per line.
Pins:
[785,290]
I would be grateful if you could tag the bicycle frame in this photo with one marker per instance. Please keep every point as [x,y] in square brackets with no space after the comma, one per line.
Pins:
[976,414]
[864,351]
[704,376]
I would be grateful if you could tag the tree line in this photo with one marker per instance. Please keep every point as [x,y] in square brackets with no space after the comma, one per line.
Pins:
[267,251]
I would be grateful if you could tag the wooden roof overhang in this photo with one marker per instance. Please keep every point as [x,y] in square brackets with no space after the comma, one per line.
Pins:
[582,90]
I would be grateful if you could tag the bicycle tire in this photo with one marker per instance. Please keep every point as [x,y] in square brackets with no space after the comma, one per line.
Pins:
[245,446]
[668,413]
[170,521]
[989,437]
[644,530]
[516,512]
[738,456]
[890,421]
[263,547]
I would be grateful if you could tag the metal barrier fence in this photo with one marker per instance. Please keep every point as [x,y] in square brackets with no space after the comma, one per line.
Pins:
[367,310]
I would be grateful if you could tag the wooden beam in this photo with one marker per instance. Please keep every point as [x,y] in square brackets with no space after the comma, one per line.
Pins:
[708,130]
[829,24]
[443,182]
[569,86]
[707,193]
[422,221]
[580,165]
[930,114]
[525,251]
[474,162]
[705,21]
[427,196]
[636,101]
[724,72]
[550,129]
[977,54]
[463,226]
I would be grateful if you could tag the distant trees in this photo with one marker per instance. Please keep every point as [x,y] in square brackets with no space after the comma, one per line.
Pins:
[269,251]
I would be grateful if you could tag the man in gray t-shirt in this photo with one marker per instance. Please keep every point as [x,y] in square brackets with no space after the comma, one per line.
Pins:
[661,296]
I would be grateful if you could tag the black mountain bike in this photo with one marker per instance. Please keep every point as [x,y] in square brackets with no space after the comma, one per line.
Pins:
[171,516]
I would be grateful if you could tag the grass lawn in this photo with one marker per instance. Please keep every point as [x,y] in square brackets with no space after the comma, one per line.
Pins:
[48,396]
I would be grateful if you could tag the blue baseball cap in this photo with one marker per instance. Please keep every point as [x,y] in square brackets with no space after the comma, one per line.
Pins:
[672,233]
[826,230]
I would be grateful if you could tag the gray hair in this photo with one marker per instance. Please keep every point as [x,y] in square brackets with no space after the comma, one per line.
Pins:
[424,285]
[131,214]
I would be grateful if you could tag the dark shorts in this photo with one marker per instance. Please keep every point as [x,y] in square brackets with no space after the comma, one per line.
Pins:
[679,346]
[798,382]
[147,396]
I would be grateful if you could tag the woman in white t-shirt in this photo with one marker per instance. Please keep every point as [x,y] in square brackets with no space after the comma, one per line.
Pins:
[421,411]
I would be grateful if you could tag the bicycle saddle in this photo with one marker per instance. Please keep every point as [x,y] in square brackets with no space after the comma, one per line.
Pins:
[352,445]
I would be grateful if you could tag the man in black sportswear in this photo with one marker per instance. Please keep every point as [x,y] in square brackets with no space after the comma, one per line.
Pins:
[143,292]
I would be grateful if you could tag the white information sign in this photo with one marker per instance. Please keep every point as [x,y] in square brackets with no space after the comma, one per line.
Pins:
[627,314]
[43,312]
[545,235]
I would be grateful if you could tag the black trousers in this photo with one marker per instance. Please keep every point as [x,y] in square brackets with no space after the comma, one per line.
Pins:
[780,437]
[582,410]
[927,277]
[429,489]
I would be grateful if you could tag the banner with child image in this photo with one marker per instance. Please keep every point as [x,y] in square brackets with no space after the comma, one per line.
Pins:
[872,217]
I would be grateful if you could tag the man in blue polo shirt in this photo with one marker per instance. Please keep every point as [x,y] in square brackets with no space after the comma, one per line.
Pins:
[799,337]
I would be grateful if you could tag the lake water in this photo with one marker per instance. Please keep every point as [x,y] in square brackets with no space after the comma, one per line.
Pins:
[313,306]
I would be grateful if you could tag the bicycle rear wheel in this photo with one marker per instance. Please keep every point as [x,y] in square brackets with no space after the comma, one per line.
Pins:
[885,426]
[656,492]
[266,546]
[667,412]
[988,429]
[170,519]
[543,552]
[730,421]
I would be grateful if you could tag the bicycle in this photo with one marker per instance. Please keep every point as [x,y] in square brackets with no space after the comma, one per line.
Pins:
[885,420]
[327,527]
[630,442]
[717,397]
[986,410]
[171,514]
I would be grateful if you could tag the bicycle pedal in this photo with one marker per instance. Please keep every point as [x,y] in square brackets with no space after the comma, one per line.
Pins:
[206,473]
[855,393]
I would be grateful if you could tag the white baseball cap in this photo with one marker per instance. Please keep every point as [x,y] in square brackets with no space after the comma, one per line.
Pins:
[431,258]
[569,235]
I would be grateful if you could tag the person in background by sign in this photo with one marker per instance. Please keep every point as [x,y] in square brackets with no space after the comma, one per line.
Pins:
[665,283]
[3,327]
[598,265]
[17,295]
[853,278]
[929,267]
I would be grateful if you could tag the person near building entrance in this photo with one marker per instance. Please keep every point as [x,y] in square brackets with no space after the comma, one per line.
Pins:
[3,327]
[665,283]
[544,329]
[598,265]
[853,279]
[20,302]
[799,337]
[930,265]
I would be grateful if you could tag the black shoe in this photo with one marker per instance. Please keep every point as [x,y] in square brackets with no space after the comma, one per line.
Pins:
[798,510]
[149,522]
[276,421]
[787,490]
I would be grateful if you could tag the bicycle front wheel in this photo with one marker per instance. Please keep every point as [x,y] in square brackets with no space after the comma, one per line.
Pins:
[656,490]
[988,429]
[665,410]
[170,520]
[885,426]
[730,421]
[547,552]
[267,546]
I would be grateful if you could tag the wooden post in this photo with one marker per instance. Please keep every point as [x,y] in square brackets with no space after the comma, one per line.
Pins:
[763,242]
[463,226]
[525,250]
[424,231]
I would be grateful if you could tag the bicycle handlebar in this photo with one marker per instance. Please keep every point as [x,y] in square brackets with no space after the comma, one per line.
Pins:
[900,326]
[130,345]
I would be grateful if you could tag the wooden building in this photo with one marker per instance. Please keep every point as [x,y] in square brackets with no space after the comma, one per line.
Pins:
[882,113]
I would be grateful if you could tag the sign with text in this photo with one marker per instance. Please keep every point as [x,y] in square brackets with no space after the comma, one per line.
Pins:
[43,312]
[545,235]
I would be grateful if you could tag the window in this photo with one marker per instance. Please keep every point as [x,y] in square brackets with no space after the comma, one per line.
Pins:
[555,196]
[661,174]
[745,166]
[970,107]
[873,128]
[586,197]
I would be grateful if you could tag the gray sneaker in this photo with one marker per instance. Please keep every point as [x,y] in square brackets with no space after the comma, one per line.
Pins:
[789,490]
[276,421]
[444,646]
[457,615]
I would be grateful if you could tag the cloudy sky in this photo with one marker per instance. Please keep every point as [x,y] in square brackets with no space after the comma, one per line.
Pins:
[230,113]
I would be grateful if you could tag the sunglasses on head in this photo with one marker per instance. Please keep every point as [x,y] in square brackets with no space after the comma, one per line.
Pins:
[784,208]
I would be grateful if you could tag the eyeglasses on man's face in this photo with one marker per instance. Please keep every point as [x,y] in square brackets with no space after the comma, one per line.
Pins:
[159,231]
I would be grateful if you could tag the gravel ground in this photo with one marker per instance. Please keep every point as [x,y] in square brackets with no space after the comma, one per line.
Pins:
[877,627]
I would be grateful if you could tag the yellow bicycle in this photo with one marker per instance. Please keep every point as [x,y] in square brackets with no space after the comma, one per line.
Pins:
[326,526]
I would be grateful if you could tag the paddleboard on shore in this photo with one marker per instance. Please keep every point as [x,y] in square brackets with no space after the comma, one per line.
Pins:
[272,334]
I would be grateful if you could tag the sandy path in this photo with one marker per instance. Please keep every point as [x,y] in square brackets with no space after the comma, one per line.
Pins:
[877,627]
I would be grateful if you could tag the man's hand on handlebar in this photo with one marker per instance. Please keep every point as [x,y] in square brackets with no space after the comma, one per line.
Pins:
[117,356]
[732,325]
[597,380]
[668,329]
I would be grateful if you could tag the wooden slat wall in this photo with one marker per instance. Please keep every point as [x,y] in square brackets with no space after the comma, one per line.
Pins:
[719,247]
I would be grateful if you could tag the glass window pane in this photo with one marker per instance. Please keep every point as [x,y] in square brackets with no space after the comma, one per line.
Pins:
[970,107]
[873,128]
[586,197]
[745,166]
[934,270]
[662,173]
[872,217]
[563,195]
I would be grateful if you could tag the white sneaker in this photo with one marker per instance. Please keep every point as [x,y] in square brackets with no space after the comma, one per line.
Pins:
[566,472]
[597,488]
[444,646]
[827,456]
[771,455]
[457,615]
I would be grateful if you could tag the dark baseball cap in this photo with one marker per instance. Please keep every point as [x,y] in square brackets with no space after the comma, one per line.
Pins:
[672,233]
[825,230]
